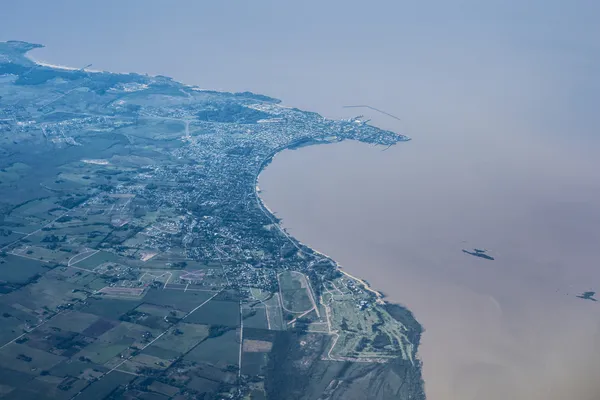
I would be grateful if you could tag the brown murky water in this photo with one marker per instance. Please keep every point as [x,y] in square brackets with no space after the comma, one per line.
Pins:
[511,328]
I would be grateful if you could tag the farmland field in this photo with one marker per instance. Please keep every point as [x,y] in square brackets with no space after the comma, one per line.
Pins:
[217,313]
[220,351]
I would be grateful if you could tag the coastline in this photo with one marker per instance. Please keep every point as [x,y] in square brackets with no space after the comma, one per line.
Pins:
[41,63]
[380,296]
[396,309]
[398,312]
[303,247]
[262,205]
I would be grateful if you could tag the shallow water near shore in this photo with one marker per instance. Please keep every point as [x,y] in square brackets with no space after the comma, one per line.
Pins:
[508,328]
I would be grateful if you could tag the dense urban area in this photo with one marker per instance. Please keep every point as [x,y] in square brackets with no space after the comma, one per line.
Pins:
[137,260]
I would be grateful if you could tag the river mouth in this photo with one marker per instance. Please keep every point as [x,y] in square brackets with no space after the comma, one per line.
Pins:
[504,328]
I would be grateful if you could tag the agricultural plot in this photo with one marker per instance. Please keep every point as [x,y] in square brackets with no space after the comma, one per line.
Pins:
[110,308]
[203,385]
[163,388]
[10,379]
[59,342]
[73,321]
[58,186]
[99,327]
[255,317]
[181,339]
[177,299]
[45,294]
[204,378]
[36,212]
[8,236]
[77,369]
[220,351]
[102,352]
[86,281]
[13,321]
[257,346]
[50,386]
[137,245]
[52,253]
[89,231]
[82,178]
[23,358]
[254,363]
[161,352]
[215,312]
[215,373]
[99,258]
[113,343]
[100,389]
[153,316]
[14,172]
[143,363]
[19,270]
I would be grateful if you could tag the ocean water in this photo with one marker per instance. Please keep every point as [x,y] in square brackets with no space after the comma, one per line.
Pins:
[507,328]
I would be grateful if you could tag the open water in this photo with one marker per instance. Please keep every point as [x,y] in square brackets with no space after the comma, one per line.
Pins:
[510,328]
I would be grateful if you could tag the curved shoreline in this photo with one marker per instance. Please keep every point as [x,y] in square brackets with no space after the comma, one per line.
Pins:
[297,243]
[266,210]
[396,311]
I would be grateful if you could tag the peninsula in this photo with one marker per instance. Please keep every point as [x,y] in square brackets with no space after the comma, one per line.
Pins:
[137,259]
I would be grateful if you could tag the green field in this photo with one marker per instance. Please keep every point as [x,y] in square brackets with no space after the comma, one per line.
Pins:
[219,351]
[100,389]
[255,317]
[23,358]
[181,339]
[15,269]
[74,321]
[100,258]
[216,312]
[254,363]
[178,299]
[110,308]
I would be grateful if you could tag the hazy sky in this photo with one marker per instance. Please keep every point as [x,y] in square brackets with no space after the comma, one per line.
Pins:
[501,98]
[534,60]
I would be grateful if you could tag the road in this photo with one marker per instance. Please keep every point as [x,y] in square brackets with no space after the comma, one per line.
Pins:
[149,343]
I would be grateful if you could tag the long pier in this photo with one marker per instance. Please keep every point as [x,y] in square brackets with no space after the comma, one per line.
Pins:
[374,109]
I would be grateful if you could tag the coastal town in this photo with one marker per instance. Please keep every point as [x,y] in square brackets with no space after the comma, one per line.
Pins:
[136,255]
